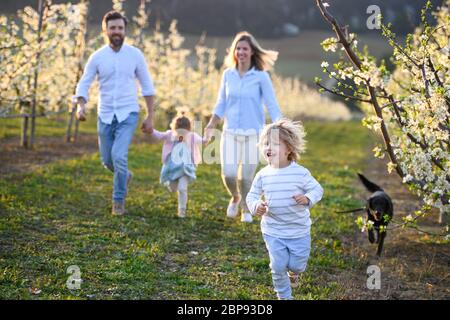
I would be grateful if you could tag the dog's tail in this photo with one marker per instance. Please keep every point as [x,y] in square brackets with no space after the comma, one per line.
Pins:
[372,187]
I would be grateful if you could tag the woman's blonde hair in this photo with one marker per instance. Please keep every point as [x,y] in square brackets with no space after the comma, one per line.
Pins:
[290,132]
[262,59]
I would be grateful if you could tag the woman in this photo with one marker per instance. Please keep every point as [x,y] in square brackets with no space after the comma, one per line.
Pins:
[245,88]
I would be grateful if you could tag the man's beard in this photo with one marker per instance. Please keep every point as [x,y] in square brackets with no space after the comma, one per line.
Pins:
[116,40]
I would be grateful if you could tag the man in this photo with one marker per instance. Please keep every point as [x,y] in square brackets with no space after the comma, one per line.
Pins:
[117,65]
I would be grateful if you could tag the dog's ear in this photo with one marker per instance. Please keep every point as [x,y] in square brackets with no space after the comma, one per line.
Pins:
[372,187]
[370,203]
[391,207]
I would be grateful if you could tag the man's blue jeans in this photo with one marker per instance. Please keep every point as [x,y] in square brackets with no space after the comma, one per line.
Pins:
[114,140]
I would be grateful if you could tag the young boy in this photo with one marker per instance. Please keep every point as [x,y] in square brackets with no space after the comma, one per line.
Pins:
[289,192]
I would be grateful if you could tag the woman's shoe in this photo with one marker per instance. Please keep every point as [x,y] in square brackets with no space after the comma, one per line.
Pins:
[233,209]
[181,214]
[246,217]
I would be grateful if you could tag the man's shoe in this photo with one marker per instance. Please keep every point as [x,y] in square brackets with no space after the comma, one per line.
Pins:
[118,208]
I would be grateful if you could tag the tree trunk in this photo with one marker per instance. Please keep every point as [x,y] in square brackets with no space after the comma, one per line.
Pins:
[443,217]
[24,136]
[70,121]
[75,133]
[80,54]
[36,74]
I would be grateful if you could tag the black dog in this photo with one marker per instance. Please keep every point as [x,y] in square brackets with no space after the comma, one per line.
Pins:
[380,211]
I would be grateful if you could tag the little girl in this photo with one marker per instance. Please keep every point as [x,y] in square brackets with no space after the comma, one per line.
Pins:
[180,157]
[289,193]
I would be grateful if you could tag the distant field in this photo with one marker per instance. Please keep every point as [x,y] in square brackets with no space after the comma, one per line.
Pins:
[298,56]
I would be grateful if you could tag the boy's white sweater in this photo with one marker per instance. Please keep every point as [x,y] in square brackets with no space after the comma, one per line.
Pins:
[285,218]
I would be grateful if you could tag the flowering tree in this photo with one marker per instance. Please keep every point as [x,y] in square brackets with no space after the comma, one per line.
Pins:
[20,65]
[38,60]
[410,106]
[79,50]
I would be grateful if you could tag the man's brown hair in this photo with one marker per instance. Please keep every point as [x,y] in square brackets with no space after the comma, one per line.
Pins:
[112,15]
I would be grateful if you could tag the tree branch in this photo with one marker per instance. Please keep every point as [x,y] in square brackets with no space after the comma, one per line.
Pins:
[341,94]
[373,97]
[393,40]
[425,80]
[433,70]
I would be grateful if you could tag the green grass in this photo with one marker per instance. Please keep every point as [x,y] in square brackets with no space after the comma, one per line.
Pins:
[48,127]
[60,216]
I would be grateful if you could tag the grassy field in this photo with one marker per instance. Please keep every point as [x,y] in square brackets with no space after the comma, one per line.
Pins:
[59,216]
[47,127]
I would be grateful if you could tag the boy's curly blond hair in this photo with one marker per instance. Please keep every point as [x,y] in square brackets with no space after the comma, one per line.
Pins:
[290,132]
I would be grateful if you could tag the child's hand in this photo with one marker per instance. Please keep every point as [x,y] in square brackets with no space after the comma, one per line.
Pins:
[262,209]
[301,199]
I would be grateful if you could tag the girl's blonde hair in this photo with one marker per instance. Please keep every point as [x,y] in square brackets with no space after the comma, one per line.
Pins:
[290,132]
[262,59]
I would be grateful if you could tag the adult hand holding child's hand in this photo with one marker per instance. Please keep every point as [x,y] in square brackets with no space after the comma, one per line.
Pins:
[81,113]
[209,133]
[80,105]
[147,125]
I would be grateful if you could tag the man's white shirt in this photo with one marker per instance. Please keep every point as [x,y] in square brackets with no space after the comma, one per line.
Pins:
[117,73]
